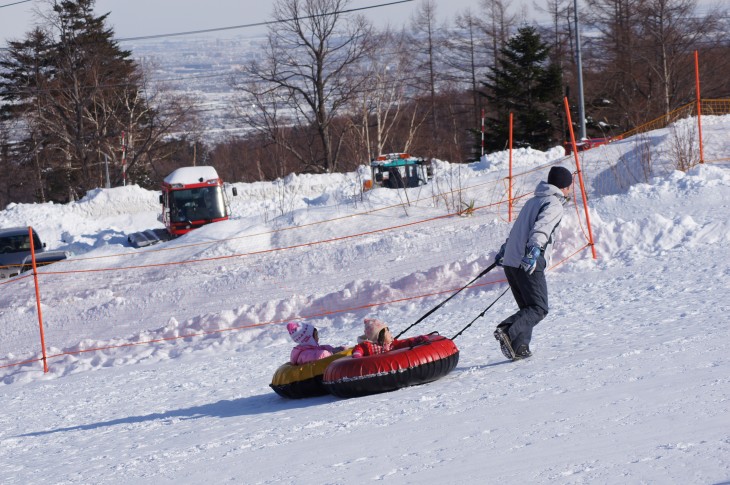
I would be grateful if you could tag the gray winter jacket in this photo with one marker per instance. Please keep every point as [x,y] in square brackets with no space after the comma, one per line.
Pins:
[535,225]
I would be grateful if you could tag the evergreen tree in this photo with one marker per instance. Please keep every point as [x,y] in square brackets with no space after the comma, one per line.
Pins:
[25,69]
[526,84]
[75,92]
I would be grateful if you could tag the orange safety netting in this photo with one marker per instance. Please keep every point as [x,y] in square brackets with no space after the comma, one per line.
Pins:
[50,276]
[495,202]
[709,107]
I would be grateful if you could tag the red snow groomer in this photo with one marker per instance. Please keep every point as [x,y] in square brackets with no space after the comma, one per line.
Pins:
[399,170]
[191,197]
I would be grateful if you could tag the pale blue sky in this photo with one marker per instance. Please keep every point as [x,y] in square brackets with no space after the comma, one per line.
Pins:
[132,18]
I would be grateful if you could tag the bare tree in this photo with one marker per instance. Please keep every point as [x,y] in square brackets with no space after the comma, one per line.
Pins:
[467,51]
[306,76]
[426,46]
[379,107]
[151,114]
[560,12]
[497,25]
[75,91]
[645,47]
[669,32]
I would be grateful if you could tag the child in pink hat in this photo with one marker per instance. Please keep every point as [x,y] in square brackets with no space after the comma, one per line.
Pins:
[377,339]
[308,349]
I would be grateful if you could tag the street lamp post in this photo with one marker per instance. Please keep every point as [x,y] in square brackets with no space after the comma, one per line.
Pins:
[579,62]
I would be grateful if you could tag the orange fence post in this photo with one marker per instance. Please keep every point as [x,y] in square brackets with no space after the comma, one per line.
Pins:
[580,177]
[699,105]
[509,197]
[38,300]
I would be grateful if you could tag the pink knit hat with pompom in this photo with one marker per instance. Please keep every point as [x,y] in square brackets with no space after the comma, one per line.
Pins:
[301,333]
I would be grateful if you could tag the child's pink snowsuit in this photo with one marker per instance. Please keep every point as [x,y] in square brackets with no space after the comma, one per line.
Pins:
[308,349]
[301,354]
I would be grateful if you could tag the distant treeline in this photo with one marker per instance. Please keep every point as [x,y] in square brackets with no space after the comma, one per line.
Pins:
[329,92]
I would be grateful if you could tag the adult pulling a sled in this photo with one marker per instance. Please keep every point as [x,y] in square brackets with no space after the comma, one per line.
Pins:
[524,257]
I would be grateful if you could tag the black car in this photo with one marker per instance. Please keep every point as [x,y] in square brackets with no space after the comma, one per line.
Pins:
[15,255]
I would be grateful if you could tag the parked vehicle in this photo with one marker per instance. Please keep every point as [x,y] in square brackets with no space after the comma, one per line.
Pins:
[586,144]
[191,197]
[15,254]
[42,259]
[400,170]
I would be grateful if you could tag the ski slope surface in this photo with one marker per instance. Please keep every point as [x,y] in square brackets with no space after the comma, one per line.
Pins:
[629,380]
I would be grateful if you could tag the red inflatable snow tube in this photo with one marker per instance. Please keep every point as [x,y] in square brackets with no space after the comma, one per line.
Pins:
[352,377]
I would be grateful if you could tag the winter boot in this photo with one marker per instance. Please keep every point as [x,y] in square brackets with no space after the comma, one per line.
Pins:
[522,352]
[504,343]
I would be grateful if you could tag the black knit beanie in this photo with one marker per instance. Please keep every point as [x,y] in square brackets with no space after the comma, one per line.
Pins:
[560,177]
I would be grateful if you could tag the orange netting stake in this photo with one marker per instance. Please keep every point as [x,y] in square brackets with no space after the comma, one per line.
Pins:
[580,177]
[38,301]
[577,215]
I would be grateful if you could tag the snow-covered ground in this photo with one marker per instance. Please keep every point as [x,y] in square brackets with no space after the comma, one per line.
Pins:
[629,382]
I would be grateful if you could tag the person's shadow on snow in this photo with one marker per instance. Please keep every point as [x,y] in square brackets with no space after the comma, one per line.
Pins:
[261,404]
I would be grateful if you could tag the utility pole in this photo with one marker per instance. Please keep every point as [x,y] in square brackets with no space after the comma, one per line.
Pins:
[579,62]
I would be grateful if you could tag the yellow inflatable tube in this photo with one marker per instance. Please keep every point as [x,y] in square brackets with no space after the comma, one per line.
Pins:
[305,380]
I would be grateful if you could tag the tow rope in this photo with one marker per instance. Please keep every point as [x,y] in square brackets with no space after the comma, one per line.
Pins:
[481,314]
[490,268]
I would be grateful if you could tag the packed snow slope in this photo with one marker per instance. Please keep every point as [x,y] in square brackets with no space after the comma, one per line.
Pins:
[629,381]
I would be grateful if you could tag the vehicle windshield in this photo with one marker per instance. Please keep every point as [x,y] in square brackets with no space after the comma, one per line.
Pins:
[197,204]
[18,244]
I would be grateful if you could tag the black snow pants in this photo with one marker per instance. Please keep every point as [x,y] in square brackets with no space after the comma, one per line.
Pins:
[530,292]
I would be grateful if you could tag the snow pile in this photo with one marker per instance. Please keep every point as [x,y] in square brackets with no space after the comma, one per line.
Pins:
[628,382]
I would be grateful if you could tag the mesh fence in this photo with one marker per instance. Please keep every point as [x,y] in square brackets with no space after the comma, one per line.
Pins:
[265,277]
